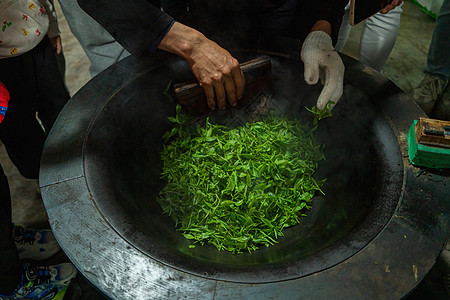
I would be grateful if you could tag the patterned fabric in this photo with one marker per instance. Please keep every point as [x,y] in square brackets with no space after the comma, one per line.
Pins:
[24,23]
[35,244]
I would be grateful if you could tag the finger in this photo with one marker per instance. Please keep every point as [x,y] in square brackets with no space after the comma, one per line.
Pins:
[328,89]
[239,83]
[311,72]
[59,46]
[220,94]
[387,8]
[230,90]
[209,92]
[58,49]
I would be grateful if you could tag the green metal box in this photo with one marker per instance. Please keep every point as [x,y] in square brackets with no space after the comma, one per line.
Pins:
[426,156]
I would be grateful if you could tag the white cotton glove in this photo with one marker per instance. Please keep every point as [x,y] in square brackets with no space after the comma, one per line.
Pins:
[321,60]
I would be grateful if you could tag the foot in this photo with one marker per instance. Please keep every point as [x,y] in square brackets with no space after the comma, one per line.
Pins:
[47,283]
[441,109]
[428,92]
[34,244]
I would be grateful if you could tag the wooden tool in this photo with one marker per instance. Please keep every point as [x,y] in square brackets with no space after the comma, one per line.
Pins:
[363,9]
[434,133]
[257,73]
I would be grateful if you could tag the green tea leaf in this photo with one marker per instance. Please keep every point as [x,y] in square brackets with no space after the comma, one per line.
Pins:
[320,114]
[238,188]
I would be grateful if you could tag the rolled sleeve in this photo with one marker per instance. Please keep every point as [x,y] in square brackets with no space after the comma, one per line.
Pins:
[158,40]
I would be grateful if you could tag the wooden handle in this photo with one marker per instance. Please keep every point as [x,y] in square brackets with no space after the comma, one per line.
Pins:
[431,132]
[257,73]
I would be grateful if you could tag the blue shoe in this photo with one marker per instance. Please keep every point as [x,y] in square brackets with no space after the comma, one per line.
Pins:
[49,283]
[34,244]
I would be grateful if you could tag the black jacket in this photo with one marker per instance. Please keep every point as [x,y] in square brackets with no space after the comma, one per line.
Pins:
[140,25]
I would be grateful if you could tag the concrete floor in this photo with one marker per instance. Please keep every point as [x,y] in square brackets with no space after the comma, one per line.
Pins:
[404,68]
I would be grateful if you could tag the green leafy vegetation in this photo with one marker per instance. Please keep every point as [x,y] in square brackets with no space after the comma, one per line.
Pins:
[238,188]
[320,114]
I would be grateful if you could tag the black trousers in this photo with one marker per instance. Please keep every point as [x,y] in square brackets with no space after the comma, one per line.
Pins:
[9,260]
[36,87]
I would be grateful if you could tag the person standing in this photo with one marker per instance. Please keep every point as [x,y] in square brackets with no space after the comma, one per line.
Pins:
[433,92]
[32,81]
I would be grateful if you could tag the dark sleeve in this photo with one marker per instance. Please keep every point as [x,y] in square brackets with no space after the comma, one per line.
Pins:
[138,25]
[331,11]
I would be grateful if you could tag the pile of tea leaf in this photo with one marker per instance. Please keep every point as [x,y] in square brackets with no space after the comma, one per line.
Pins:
[238,188]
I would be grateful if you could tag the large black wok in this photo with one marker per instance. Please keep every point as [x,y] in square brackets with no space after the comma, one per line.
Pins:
[374,235]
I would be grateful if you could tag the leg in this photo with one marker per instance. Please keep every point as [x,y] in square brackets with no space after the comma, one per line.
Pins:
[438,60]
[20,132]
[433,92]
[344,30]
[51,93]
[9,260]
[23,139]
[378,38]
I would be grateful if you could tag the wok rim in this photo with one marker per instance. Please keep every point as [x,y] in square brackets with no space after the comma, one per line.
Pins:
[57,181]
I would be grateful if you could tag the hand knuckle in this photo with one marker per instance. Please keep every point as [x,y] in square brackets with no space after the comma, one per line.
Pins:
[205,82]
[234,63]
[217,78]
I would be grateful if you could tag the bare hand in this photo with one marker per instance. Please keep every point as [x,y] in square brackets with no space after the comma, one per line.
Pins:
[218,73]
[56,44]
[216,70]
[391,6]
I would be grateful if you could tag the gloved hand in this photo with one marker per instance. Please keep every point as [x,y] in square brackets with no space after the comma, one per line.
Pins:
[4,99]
[321,60]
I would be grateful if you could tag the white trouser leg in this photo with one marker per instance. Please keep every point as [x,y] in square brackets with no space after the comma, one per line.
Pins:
[344,30]
[378,38]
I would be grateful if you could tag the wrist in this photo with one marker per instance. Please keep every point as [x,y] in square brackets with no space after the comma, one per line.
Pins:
[181,40]
[322,25]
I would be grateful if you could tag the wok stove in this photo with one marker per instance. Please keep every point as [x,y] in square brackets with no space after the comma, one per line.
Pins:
[374,235]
